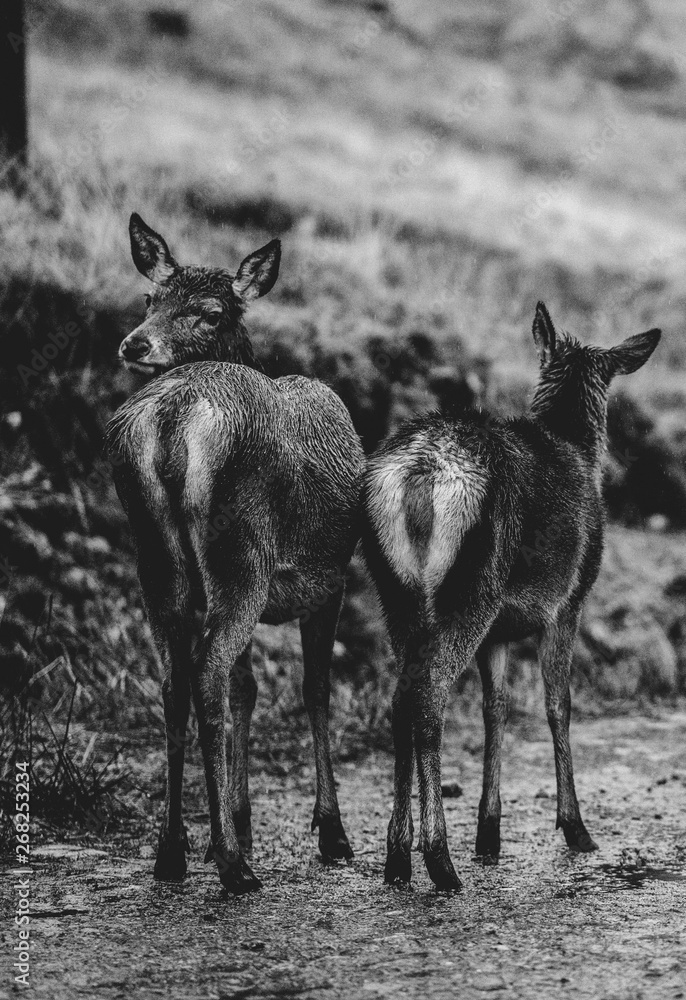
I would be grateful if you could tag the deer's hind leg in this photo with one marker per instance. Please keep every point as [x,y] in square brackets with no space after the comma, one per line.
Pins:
[170,864]
[402,615]
[443,659]
[429,663]
[317,633]
[230,622]
[167,601]
[242,698]
[555,655]
[491,659]
[429,696]
[400,828]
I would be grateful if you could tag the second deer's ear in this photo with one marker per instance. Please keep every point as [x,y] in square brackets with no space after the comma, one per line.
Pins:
[633,352]
[545,337]
[258,272]
[150,253]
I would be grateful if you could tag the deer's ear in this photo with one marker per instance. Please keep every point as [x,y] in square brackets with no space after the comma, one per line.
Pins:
[545,337]
[258,272]
[632,353]
[150,253]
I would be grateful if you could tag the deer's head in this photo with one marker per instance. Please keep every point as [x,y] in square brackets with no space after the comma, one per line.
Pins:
[193,313]
[571,396]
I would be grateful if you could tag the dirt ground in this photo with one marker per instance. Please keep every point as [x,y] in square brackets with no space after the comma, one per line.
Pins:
[542,923]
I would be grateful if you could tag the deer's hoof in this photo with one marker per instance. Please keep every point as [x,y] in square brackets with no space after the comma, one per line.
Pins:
[171,867]
[577,836]
[441,871]
[488,837]
[333,842]
[236,875]
[170,864]
[398,870]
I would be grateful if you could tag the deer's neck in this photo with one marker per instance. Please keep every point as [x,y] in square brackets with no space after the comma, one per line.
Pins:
[237,347]
[575,411]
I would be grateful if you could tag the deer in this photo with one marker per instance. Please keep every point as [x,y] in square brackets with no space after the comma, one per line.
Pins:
[480,531]
[242,493]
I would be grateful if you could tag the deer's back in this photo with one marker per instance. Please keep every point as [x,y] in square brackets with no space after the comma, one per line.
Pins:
[457,508]
[270,465]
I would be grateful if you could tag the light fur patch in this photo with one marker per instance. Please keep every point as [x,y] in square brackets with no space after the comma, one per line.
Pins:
[387,512]
[458,493]
[143,452]
[202,429]
[459,488]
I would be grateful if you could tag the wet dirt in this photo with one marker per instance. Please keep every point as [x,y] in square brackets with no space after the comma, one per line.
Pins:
[544,922]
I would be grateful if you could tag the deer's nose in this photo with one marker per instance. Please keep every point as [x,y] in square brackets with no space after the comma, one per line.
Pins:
[134,348]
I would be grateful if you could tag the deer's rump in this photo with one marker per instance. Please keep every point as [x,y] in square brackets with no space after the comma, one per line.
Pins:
[454,510]
[242,476]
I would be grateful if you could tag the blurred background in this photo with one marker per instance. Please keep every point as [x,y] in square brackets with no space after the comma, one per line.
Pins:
[432,170]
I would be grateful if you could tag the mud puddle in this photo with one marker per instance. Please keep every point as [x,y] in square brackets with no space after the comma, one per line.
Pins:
[614,878]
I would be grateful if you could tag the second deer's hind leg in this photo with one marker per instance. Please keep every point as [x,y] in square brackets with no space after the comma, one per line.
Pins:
[447,656]
[492,663]
[317,634]
[400,828]
[429,696]
[418,709]
[555,656]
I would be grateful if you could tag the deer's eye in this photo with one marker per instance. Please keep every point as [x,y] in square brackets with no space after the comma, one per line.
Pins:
[148,300]
[212,318]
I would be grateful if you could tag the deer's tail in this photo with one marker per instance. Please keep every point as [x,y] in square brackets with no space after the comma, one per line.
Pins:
[419,515]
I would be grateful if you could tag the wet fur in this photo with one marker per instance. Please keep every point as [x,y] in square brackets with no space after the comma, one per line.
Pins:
[170,324]
[242,494]
[478,532]
[281,455]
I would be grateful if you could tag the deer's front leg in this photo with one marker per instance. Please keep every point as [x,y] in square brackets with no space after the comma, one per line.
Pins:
[556,656]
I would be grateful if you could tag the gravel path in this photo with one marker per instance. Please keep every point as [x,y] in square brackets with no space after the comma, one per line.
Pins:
[542,923]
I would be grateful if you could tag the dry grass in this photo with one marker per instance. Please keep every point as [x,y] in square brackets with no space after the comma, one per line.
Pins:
[367,123]
[433,170]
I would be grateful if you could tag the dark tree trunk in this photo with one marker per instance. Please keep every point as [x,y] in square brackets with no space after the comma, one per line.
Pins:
[13,131]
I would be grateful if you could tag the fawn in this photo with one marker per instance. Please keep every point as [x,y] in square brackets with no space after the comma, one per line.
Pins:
[454,506]
[242,493]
